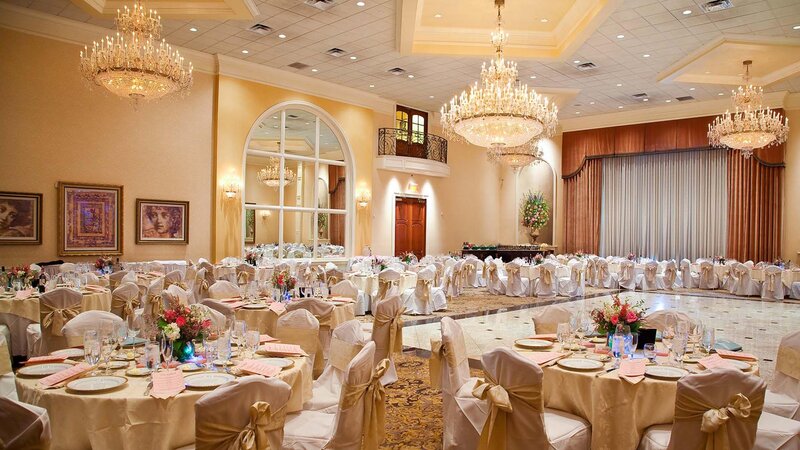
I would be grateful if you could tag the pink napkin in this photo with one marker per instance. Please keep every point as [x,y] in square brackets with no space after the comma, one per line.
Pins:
[589,344]
[341,299]
[736,355]
[545,336]
[45,359]
[23,294]
[64,375]
[714,361]
[259,368]
[266,338]
[603,350]
[277,307]
[632,370]
[283,349]
[542,358]
[167,383]
[662,353]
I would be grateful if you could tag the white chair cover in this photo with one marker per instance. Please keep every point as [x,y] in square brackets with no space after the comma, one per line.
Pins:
[387,333]
[90,278]
[516,284]
[228,312]
[347,341]
[663,319]
[783,395]
[153,302]
[690,280]
[472,266]
[67,267]
[346,288]
[605,278]
[573,286]
[302,328]
[115,278]
[56,308]
[244,414]
[547,283]
[245,273]
[424,298]
[223,289]
[518,418]
[627,277]
[744,284]
[24,426]
[129,277]
[708,278]
[650,280]
[125,300]
[322,311]
[89,320]
[218,319]
[387,279]
[669,279]
[8,385]
[183,296]
[795,292]
[546,320]
[494,283]
[772,287]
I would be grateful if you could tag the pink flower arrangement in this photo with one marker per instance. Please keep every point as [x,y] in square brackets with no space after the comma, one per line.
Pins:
[184,322]
[282,280]
[631,256]
[538,258]
[619,312]
[535,210]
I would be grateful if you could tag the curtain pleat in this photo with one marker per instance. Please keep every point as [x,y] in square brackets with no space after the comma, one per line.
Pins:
[582,201]
[754,209]
[664,206]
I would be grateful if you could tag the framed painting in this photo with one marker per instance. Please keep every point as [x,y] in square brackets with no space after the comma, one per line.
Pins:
[250,226]
[20,218]
[89,219]
[162,221]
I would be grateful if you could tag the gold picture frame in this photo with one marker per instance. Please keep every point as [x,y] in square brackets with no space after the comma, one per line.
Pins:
[90,218]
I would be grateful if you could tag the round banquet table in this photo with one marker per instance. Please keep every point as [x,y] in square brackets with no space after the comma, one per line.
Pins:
[265,320]
[17,314]
[369,283]
[619,412]
[125,419]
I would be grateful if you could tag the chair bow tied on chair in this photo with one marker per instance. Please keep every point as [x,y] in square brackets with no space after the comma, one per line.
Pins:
[650,273]
[604,274]
[395,328]
[591,269]
[469,270]
[546,276]
[156,305]
[242,277]
[56,318]
[670,273]
[203,284]
[253,437]
[332,280]
[374,396]
[130,306]
[706,272]
[491,272]
[715,420]
[493,435]
[771,280]
[384,285]
[426,289]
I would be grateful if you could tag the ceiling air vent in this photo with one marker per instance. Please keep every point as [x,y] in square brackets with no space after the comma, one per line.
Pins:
[716,5]
[260,28]
[640,95]
[320,4]
[685,98]
[298,65]
[337,52]
[397,71]
[586,66]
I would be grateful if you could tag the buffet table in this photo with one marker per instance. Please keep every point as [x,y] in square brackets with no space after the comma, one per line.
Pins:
[510,252]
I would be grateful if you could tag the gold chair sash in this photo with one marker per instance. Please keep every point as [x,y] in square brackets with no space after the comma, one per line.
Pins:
[469,271]
[156,304]
[770,276]
[242,277]
[306,338]
[626,271]
[441,354]
[342,352]
[788,362]
[706,272]
[591,270]
[55,318]
[577,273]
[309,276]
[203,284]
[545,276]
[5,358]
[126,306]
[438,276]
[715,420]
[650,273]
[374,396]
[395,323]
[332,280]
[494,433]
[383,286]
[491,272]
[253,437]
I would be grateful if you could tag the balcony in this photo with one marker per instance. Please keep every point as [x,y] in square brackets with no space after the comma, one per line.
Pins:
[421,153]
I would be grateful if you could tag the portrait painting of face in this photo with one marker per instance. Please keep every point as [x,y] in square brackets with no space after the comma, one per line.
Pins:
[162,221]
[90,221]
[20,218]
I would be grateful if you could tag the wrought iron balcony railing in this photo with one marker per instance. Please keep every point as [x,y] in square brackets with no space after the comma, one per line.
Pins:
[398,142]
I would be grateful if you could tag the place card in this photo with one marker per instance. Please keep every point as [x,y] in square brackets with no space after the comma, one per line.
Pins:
[266,338]
[45,359]
[736,355]
[542,358]
[283,349]
[259,368]
[64,375]
[714,361]
[167,383]
[632,370]
[277,307]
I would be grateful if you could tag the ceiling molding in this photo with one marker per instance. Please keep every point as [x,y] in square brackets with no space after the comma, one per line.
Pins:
[671,112]
[197,9]
[792,101]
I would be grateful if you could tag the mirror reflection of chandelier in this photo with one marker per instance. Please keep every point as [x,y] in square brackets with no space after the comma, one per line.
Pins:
[499,111]
[134,64]
[271,175]
[516,157]
[750,125]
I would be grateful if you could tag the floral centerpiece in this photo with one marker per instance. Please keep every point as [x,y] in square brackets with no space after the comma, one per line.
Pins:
[380,263]
[631,256]
[183,324]
[20,277]
[580,254]
[285,282]
[535,213]
[538,259]
[250,258]
[104,262]
[408,257]
[619,312]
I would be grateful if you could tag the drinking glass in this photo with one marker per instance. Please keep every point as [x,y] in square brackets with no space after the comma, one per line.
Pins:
[107,348]
[91,348]
[632,343]
[650,352]
[618,345]
[165,346]
[708,339]
[252,340]
[210,348]
[679,349]
[562,333]
[224,348]
[133,329]
[318,292]
[239,333]
[152,358]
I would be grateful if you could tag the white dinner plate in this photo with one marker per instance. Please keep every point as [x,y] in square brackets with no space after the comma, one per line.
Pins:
[96,384]
[741,365]
[254,306]
[219,362]
[125,355]
[138,372]
[113,365]
[598,357]
[692,359]
[580,364]
[207,380]
[598,340]
[71,353]
[43,370]
[277,362]
[190,367]
[665,372]
[533,343]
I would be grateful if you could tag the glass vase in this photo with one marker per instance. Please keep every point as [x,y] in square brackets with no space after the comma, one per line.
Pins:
[183,350]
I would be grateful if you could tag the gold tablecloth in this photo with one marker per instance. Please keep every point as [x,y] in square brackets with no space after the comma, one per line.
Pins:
[619,412]
[369,283]
[229,273]
[125,419]
[265,320]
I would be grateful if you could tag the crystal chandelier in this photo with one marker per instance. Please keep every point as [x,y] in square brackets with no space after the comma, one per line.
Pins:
[499,111]
[516,157]
[271,175]
[135,64]
[751,125]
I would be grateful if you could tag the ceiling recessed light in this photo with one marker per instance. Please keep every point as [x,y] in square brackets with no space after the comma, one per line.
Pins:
[193,29]
[577,112]
[354,58]
[620,36]
[668,101]
[544,20]
[245,51]
[691,89]
[577,61]
[645,99]
[619,84]
[274,117]
[620,106]
[360,3]
[437,16]
[372,85]
[646,55]
[410,76]
[315,70]
[282,36]
[708,72]
[430,96]
[591,103]
[796,27]
[687,12]
[721,93]
[533,77]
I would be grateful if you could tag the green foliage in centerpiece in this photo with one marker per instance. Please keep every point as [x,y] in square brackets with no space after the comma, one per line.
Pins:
[619,312]
[534,210]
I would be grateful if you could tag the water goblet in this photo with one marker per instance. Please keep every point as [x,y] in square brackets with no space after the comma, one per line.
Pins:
[650,352]
[708,340]
[562,334]
[252,340]
[91,348]
[679,349]
[165,346]
[210,348]
[107,348]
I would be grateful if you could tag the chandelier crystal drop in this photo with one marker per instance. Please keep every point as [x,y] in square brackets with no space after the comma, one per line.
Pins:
[750,125]
[499,111]
[271,175]
[134,64]
[516,157]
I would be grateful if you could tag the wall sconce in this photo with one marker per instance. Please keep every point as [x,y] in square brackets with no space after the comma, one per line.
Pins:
[363,199]
[413,187]
[230,187]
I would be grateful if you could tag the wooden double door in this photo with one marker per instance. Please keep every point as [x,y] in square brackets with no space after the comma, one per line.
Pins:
[409,226]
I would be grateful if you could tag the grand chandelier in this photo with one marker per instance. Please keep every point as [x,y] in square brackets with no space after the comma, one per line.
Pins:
[271,175]
[516,157]
[750,125]
[135,64]
[499,111]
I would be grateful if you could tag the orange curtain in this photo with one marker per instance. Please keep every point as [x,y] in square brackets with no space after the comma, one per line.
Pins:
[582,202]
[754,209]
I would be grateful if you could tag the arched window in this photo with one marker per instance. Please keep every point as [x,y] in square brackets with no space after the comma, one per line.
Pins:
[417,129]
[297,192]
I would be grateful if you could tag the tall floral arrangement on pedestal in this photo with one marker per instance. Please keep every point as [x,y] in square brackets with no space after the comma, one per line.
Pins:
[535,213]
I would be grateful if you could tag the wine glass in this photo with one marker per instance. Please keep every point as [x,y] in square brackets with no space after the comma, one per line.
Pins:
[252,340]
[134,326]
[650,352]
[708,340]
[165,346]
[239,332]
[562,334]
[91,348]
[679,349]
[108,344]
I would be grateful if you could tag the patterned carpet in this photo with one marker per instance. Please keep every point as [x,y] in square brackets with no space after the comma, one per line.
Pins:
[414,410]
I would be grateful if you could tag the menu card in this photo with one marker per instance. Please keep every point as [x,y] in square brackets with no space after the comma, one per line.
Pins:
[64,375]
[277,307]
[167,383]
[259,368]
[283,349]
[542,358]
[714,361]
[632,370]
[736,355]
[45,359]
[266,338]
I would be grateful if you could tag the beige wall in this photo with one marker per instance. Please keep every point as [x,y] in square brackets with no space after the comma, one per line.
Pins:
[791,199]
[54,128]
